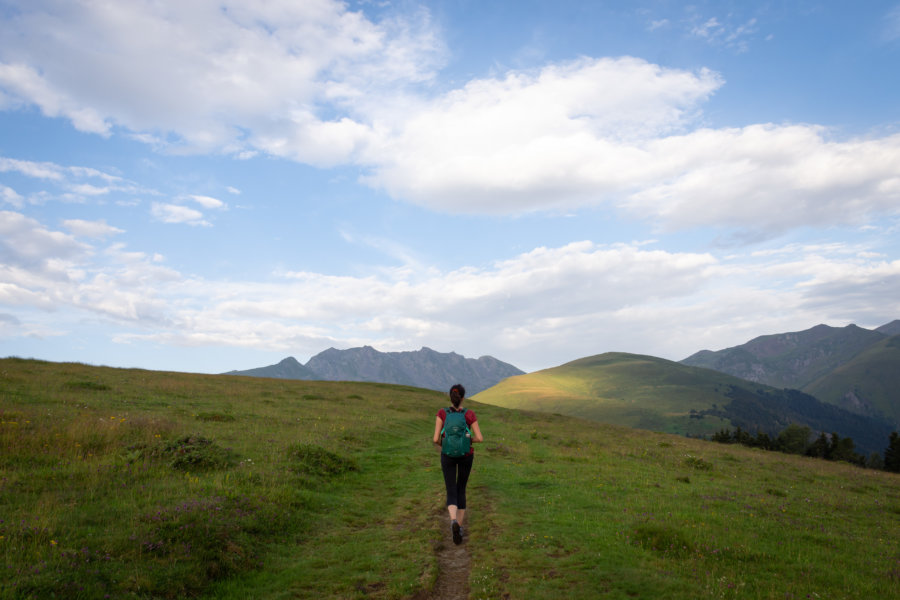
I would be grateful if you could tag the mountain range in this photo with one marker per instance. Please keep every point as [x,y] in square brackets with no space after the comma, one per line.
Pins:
[831,379]
[854,368]
[425,368]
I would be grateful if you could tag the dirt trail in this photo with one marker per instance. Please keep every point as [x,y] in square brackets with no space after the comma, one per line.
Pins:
[453,567]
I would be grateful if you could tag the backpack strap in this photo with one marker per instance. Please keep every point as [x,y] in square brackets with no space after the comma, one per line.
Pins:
[447,411]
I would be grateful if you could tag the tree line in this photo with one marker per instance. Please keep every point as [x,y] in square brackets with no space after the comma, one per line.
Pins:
[799,439]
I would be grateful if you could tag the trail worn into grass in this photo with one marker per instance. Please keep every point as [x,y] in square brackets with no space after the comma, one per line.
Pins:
[453,567]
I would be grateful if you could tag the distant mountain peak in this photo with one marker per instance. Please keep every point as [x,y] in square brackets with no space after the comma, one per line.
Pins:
[891,329]
[287,368]
[426,368]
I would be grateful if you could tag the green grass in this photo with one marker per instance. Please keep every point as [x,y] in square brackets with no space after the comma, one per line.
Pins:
[140,484]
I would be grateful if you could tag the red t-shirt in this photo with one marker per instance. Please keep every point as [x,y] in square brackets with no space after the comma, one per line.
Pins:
[470,418]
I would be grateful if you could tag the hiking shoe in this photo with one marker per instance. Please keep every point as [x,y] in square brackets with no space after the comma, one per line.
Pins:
[457,533]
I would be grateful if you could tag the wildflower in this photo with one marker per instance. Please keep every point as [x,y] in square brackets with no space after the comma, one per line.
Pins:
[52,542]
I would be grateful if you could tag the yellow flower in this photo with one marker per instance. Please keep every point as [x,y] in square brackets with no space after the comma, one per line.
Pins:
[52,542]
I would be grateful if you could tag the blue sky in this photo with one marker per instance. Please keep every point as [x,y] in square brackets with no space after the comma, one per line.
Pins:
[217,185]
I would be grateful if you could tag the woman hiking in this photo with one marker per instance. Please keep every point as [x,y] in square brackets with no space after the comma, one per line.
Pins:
[455,430]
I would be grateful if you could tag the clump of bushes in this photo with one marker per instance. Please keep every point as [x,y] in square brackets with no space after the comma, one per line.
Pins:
[192,453]
[695,462]
[310,459]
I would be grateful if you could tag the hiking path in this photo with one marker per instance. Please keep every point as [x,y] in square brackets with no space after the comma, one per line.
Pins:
[453,567]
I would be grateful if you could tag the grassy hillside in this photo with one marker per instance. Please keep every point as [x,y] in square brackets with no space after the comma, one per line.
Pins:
[660,395]
[138,484]
[867,384]
[627,389]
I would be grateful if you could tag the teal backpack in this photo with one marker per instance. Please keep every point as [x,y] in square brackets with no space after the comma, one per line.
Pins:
[457,437]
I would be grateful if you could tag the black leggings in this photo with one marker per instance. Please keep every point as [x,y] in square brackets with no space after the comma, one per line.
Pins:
[456,475]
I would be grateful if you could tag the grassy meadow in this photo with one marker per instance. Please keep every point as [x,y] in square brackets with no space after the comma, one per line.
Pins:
[120,483]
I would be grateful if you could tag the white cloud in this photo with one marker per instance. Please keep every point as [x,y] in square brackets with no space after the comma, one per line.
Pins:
[707,29]
[208,71]
[75,183]
[25,82]
[714,32]
[10,196]
[51,271]
[559,140]
[25,243]
[91,229]
[38,170]
[768,177]
[208,202]
[176,213]
[86,189]
[565,136]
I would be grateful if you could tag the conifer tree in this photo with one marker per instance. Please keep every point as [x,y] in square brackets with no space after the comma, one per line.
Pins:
[892,454]
[819,448]
[834,445]
[875,461]
[845,449]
